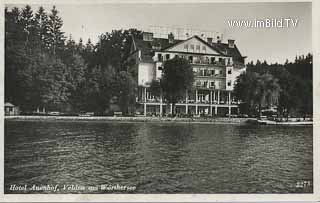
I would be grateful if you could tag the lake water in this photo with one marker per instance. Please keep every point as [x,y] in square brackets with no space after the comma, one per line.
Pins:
[157,157]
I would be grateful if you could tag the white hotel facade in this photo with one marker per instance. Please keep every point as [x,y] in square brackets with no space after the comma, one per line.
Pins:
[215,64]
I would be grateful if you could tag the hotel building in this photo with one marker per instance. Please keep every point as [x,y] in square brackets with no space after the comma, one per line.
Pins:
[215,64]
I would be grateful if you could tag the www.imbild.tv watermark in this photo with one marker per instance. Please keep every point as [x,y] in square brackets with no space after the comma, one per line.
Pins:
[264,23]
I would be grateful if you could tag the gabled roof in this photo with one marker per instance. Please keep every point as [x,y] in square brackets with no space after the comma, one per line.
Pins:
[147,47]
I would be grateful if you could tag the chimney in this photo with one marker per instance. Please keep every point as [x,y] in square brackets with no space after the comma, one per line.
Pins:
[218,40]
[209,40]
[231,43]
[171,38]
[147,36]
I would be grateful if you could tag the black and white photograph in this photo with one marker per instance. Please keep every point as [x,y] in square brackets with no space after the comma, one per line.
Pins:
[158,98]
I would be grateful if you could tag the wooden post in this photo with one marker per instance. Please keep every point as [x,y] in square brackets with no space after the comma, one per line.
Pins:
[186,101]
[145,102]
[196,102]
[161,105]
[211,100]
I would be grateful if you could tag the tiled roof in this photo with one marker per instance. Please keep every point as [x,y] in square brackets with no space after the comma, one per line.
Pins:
[148,47]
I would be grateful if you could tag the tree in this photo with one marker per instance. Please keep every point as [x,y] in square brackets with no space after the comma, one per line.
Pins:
[243,91]
[42,25]
[177,77]
[257,90]
[113,48]
[155,88]
[126,92]
[268,90]
[56,36]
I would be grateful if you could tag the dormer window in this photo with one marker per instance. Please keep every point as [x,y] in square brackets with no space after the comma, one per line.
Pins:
[167,56]
[186,46]
[191,46]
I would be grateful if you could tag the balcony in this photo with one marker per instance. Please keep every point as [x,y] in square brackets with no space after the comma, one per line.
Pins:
[199,85]
[205,62]
[208,73]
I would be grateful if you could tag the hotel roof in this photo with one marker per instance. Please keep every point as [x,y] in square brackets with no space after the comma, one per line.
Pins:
[149,47]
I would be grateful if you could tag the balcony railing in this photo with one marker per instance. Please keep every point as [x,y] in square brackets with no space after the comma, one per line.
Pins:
[197,60]
[205,86]
[204,62]
[208,74]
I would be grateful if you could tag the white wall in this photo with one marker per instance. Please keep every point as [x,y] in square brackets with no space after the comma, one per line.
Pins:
[146,73]
[233,76]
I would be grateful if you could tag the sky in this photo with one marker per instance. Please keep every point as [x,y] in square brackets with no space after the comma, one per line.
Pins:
[270,44]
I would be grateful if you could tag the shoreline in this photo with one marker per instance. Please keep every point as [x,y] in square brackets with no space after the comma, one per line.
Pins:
[218,120]
[202,120]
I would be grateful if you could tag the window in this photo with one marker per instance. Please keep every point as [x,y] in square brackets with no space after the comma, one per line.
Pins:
[186,46]
[212,84]
[191,46]
[229,71]
[205,72]
[212,60]
[204,48]
[220,72]
[190,59]
[220,59]
[212,72]
[207,60]
[167,56]
[159,57]
[202,72]
[229,83]
[198,47]
[160,68]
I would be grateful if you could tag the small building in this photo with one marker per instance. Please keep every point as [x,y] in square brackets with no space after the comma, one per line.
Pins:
[10,109]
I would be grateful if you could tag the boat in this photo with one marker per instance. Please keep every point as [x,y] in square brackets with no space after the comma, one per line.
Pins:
[270,122]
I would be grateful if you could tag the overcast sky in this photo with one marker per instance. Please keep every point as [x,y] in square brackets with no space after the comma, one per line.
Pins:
[271,44]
